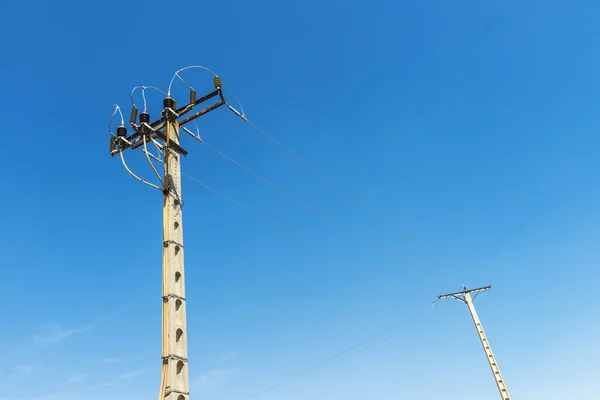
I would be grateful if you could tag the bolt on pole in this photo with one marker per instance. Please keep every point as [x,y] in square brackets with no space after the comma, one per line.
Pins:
[465,297]
[164,136]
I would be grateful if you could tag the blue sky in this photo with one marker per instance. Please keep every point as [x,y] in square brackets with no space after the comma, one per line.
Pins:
[473,126]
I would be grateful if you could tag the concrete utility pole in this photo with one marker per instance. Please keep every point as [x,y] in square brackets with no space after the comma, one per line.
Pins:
[164,135]
[465,297]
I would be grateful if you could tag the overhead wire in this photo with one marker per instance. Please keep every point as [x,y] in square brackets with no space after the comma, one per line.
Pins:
[299,201]
[242,114]
[134,175]
[332,182]
[383,335]
[274,222]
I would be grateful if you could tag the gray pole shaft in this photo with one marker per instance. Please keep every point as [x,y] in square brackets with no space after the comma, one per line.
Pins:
[174,313]
[488,350]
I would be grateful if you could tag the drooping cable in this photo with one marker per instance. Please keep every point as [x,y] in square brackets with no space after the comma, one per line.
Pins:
[176,75]
[275,223]
[134,175]
[243,116]
[330,181]
[150,161]
[299,201]
[379,337]
[223,84]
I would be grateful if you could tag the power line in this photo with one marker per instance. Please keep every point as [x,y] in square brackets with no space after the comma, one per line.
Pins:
[273,222]
[302,203]
[333,183]
[382,336]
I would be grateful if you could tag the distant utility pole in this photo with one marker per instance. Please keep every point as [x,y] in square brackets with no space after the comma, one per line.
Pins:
[465,297]
[164,135]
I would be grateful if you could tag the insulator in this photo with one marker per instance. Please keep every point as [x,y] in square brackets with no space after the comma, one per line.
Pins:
[192,96]
[217,82]
[122,131]
[169,102]
[133,115]
[144,117]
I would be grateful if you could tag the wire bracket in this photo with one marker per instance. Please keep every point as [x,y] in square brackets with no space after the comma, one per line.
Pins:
[167,242]
[165,359]
[172,296]
[168,392]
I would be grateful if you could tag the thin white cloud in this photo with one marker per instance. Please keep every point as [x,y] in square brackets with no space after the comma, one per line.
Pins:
[52,333]
[229,356]
[101,386]
[131,374]
[18,373]
[26,369]
[47,397]
[110,360]
[76,378]
[212,378]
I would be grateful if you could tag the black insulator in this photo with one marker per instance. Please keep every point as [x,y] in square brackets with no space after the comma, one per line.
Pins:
[121,131]
[169,102]
[144,117]
[217,82]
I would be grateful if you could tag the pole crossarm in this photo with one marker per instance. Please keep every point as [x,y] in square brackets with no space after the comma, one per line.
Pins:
[155,130]
[460,296]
